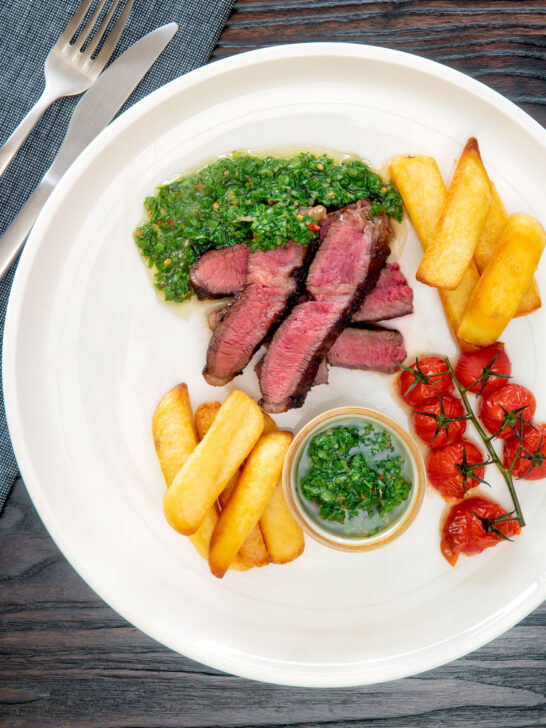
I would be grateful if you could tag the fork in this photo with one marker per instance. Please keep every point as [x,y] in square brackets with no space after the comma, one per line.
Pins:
[69,68]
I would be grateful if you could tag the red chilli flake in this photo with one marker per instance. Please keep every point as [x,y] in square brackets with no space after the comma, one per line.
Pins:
[314,226]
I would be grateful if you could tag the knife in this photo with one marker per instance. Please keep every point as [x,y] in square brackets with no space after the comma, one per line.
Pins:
[94,112]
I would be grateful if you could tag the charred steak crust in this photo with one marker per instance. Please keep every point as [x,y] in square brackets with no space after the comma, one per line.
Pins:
[271,283]
[220,272]
[345,268]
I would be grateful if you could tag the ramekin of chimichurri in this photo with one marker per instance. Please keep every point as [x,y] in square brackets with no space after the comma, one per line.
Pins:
[354,479]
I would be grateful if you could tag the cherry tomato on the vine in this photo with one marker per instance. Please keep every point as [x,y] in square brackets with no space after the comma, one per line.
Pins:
[484,370]
[473,525]
[426,379]
[531,462]
[452,469]
[504,411]
[434,423]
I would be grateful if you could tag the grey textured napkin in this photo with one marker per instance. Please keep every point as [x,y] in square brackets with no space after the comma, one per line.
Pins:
[27,32]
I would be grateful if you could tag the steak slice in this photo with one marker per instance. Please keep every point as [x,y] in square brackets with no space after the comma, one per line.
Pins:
[295,354]
[270,281]
[378,349]
[348,262]
[345,267]
[220,272]
[321,377]
[392,297]
[215,317]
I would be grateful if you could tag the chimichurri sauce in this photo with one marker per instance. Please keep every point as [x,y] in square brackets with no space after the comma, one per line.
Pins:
[353,479]
[246,199]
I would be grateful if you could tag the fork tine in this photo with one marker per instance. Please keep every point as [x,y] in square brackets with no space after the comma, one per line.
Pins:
[113,36]
[88,27]
[102,28]
[74,24]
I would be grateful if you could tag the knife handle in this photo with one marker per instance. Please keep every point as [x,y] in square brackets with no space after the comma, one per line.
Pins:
[14,238]
[16,139]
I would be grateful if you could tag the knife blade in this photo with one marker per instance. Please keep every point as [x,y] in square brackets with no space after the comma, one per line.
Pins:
[93,113]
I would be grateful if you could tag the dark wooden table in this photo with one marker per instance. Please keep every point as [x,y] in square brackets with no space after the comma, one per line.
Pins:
[66,659]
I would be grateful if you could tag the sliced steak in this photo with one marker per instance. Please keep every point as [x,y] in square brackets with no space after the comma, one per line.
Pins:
[318,212]
[333,216]
[348,262]
[391,297]
[295,354]
[220,272]
[321,377]
[270,281]
[378,349]
[214,317]
[345,267]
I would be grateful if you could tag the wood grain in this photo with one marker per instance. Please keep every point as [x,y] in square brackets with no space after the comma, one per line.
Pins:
[500,43]
[66,659]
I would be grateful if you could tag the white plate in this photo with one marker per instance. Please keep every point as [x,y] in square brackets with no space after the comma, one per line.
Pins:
[89,351]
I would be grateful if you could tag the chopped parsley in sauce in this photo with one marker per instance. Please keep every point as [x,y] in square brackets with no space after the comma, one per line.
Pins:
[353,479]
[246,199]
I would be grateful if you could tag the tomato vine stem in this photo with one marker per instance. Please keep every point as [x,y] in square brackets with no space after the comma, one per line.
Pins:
[487,440]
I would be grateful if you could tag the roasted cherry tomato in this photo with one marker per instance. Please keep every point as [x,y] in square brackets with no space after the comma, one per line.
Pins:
[426,379]
[531,462]
[473,525]
[485,370]
[434,423]
[451,469]
[513,404]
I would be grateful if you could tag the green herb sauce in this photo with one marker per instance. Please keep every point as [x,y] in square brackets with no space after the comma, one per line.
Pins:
[353,479]
[246,199]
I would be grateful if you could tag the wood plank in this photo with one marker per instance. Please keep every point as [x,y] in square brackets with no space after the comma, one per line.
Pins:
[66,659]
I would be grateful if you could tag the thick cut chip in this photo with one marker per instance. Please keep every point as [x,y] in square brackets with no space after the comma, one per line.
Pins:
[502,284]
[201,540]
[269,424]
[234,432]
[493,226]
[204,417]
[248,501]
[530,301]
[423,191]
[425,195]
[282,535]
[173,431]
[456,301]
[455,238]
[253,551]
[487,245]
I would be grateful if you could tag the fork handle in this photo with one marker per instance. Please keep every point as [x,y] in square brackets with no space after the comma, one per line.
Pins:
[16,139]
[14,238]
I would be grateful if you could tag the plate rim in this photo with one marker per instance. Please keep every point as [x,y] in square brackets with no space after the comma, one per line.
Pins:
[457,647]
